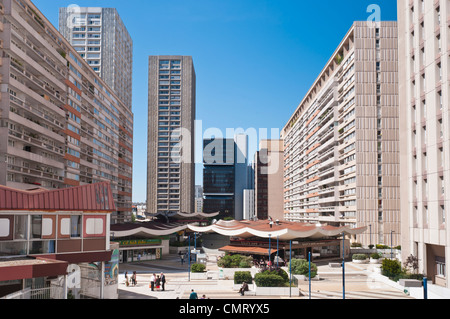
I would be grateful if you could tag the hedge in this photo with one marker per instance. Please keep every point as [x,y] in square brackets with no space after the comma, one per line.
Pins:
[242,276]
[359,257]
[235,261]
[263,280]
[198,268]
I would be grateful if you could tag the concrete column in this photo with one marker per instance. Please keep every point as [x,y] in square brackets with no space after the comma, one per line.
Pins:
[65,287]
[102,281]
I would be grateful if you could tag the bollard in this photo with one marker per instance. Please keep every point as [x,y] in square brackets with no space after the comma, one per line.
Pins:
[425,288]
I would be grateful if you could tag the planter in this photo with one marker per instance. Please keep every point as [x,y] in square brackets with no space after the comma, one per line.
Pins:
[375,261]
[275,291]
[357,261]
[199,275]
[250,287]
[306,278]
[228,273]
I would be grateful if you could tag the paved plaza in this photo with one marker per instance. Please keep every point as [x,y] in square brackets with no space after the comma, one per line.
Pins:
[361,282]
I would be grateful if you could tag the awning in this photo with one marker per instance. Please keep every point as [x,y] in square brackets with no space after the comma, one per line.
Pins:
[248,250]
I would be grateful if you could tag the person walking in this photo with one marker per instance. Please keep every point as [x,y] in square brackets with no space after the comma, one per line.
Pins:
[152,282]
[163,282]
[127,283]
[133,278]
[193,295]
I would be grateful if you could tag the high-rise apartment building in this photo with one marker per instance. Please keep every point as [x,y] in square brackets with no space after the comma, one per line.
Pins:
[60,123]
[341,163]
[424,75]
[171,116]
[102,39]
[269,168]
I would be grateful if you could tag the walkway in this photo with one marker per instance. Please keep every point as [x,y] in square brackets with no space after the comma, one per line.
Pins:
[359,283]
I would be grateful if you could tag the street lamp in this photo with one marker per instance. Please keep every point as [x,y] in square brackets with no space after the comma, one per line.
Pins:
[343,265]
[391,243]
[189,254]
[270,244]
[277,250]
[309,257]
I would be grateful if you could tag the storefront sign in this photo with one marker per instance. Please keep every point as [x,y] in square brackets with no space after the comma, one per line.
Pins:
[140,242]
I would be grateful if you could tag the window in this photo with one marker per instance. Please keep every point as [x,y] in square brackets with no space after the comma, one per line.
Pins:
[36,226]
[20,226]
[75,226]
[440,266]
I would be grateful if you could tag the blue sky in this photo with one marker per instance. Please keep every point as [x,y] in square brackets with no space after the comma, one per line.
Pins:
[254,59]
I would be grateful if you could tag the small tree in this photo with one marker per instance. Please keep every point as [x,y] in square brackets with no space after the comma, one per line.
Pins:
[301,267]
[412,262]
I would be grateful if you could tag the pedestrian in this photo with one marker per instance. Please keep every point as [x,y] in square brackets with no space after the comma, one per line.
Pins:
[152,282]
[127,283]
[193,295]
[158,282]
[163,282]
[182,259]
[134,279]
[203,297]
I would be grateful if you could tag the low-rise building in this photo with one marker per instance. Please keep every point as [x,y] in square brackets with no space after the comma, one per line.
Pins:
[50,240]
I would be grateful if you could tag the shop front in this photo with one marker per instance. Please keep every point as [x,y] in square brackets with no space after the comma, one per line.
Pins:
[134,250]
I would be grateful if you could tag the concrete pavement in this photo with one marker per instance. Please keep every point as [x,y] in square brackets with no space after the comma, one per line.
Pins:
[361,282]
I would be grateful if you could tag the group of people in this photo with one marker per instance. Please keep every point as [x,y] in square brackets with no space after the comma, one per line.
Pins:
[158,282]
[194,295]
[133,279]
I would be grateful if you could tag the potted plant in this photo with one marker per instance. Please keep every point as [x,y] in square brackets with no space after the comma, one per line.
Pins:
[359,258]
[375,258]
[198,271]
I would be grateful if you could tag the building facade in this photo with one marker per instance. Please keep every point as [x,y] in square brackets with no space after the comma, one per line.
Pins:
[56,243]
[341,164]
[225,169]
[171,116]
[219,177]
[424,74]
[102,39]
[198,199]
[60,124]
[269,174]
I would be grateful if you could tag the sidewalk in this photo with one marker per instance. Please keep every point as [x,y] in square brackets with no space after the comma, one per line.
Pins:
[360,283]
[177,279]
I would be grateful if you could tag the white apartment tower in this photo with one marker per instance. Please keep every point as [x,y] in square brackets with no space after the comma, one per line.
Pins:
[341,144]
[171,116]
[101,38]
[424,74]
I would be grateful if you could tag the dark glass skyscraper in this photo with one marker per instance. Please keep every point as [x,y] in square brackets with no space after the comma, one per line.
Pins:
[222,182]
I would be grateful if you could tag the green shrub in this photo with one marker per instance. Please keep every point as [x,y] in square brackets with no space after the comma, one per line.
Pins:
[269,280]
[359,257]
[391,268]
[375,256]
[235,261]
[382,246]
[198,268]
[301,267]
[242,276]
[356,245]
